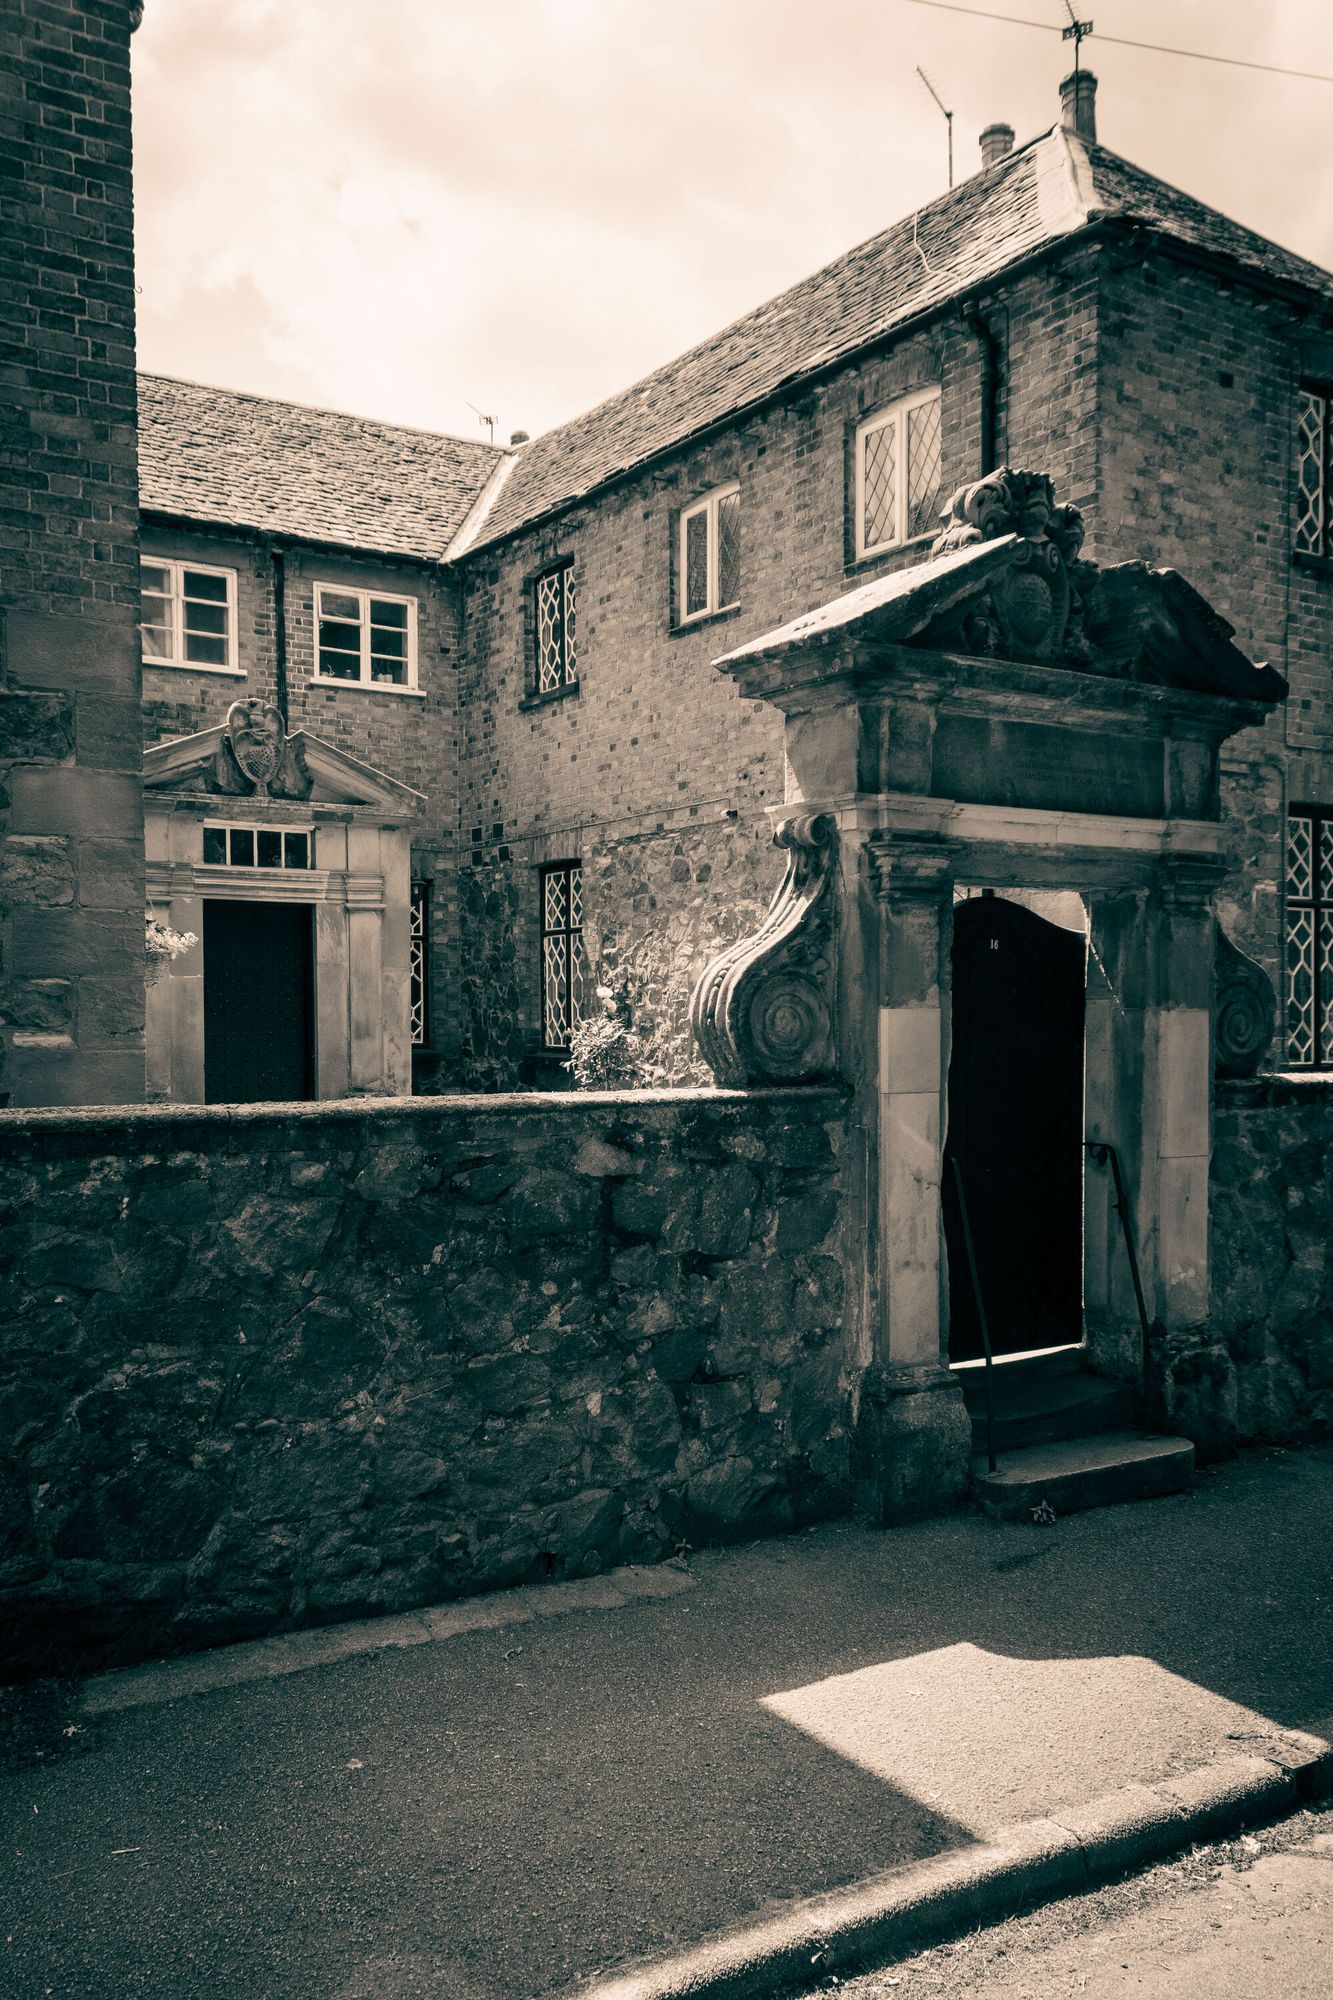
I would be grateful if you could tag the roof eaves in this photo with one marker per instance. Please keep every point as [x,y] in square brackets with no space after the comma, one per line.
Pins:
[230,524]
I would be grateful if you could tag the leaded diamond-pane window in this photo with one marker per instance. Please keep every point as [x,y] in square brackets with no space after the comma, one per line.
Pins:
[880,490]
[1314,466]
[562,952]
[728,548]
[710,554]
[554,630]
[898,473]
[923,467]
[1310,937]
[418,965]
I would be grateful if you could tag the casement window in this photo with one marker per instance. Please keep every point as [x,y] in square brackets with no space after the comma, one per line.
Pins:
[1314,471]
[555,656]
[256,847]
[1310,937]
[897,473]
[188,616]
[709,560]
[562,952]
[418,965]
[365,638]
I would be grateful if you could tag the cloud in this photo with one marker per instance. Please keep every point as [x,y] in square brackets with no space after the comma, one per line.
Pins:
[405,208]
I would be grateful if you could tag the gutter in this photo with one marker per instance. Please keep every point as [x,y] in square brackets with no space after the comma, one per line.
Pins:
[278,558]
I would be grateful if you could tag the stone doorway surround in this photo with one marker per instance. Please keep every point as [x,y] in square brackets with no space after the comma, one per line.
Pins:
[1008,716]
[248,772]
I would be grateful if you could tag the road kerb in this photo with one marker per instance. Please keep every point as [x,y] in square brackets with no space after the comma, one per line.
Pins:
[885,1918]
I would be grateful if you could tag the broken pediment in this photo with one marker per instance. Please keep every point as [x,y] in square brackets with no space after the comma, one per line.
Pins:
[250,755]
[1006,581]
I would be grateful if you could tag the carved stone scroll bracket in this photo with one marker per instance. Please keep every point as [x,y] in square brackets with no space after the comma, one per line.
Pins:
[763,1011]
[1244,1011]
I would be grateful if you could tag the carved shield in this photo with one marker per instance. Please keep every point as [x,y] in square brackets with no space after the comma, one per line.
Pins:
[254,733]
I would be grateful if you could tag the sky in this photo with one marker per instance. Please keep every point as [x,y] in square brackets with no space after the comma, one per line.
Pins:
[421,209]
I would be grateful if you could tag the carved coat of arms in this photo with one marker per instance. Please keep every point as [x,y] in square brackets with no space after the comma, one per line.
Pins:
[1035,610]
[255,754]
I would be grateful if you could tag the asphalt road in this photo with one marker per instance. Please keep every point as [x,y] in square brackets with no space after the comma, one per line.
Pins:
[500,1815]
[1250,1920]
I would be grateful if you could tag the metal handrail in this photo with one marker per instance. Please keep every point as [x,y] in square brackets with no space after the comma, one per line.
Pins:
[1102,1152]
[981,1310]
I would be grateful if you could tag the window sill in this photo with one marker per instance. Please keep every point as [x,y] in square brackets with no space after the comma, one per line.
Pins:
[876,556]
[368,687]
[704,618]
[193,667]
[1308,560]
[551,695]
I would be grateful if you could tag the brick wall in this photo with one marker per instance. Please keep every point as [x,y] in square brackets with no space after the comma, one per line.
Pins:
[71,822]
[411,737]
[655,748]
[264,1368]
[1198,386]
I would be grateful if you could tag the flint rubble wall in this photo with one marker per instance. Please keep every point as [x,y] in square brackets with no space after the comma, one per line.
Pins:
[265,1368]
[1264,1373]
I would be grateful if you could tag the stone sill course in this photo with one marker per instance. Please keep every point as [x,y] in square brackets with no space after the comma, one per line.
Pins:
[436,1108]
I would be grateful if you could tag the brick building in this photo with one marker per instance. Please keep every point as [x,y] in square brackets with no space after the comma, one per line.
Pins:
[594,796]
[71,823]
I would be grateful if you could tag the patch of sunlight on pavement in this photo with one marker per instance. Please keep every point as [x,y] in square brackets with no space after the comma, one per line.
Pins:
[989,1740]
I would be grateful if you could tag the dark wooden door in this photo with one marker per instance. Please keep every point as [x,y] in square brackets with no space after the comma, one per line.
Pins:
[1016,1128]
[257,1002]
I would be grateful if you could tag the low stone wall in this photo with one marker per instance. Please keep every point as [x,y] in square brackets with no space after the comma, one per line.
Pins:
[269,1366]
[1266,1374]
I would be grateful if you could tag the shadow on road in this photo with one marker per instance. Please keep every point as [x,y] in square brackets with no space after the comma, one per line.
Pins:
[499,1816]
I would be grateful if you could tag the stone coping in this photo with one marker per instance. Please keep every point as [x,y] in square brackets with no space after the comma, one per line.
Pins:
[332,1111]
[1278,1087]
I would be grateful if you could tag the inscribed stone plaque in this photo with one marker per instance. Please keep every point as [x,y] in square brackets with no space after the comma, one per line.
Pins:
[1044,764]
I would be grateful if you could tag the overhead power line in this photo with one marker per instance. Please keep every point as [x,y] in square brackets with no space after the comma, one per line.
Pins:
[1123,41]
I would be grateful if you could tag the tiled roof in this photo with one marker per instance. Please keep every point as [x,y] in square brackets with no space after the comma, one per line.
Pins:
[317,475]
[1033,198]
[219,456]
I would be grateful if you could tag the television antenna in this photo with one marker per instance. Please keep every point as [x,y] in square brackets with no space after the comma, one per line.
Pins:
[948,115]
[482,418]
[1075,32]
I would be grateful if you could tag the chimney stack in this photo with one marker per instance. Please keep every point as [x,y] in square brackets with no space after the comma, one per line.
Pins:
[1078,104]
[996,141]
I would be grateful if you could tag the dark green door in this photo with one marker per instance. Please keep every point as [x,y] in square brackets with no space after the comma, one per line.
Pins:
[257,1002]
[1016,1128]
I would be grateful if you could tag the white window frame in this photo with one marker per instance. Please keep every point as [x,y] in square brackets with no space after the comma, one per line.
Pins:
[227,827]
[708,506]
[363,596]
[896,414]
[176,566]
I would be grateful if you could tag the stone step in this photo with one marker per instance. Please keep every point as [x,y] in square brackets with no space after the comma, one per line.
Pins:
[1084,1472]
[1041,1363]
[1043,1409]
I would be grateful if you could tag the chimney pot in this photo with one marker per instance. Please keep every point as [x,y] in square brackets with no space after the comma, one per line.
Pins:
[996,141]
[1078,104]
[518,437]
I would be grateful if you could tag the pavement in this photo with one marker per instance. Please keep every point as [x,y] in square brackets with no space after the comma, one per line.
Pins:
[1246,1919]
[597,1787]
